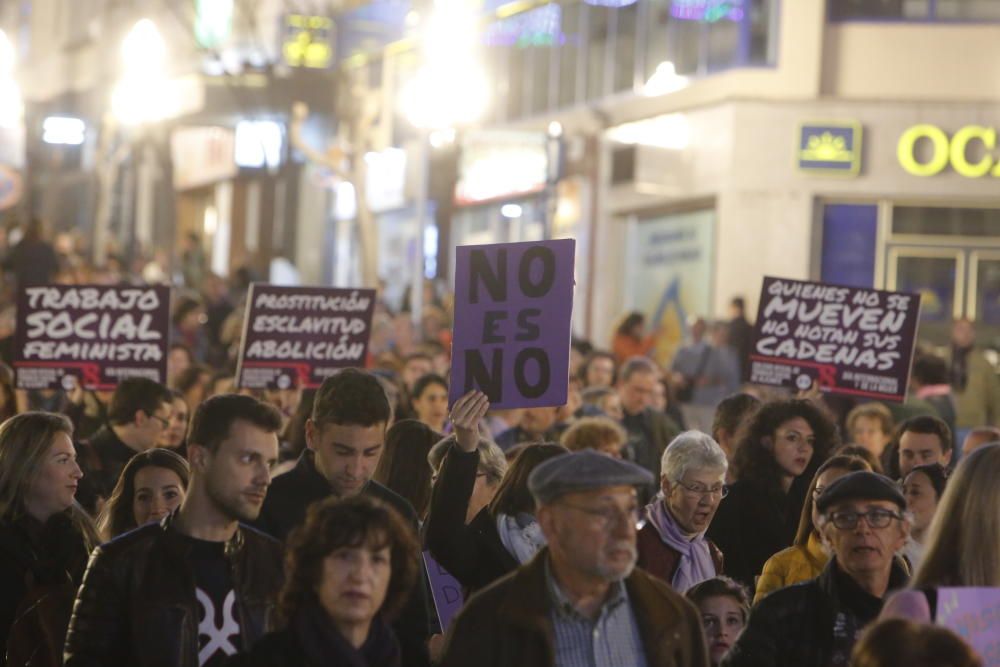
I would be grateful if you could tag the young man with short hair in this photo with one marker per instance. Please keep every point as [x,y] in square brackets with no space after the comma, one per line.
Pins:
[345,438]
[923,440]
[138,414]
[199,586]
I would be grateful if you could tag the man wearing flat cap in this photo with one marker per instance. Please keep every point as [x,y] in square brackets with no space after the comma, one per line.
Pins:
[816,623]
[580,601]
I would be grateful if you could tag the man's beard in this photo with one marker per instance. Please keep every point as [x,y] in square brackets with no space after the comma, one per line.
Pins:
[612,574]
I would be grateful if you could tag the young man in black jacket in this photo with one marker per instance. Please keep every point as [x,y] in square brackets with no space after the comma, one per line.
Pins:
[345,437]
[199,586]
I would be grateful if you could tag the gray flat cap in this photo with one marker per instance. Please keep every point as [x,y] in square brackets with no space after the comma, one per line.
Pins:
[582,471]
[861,485]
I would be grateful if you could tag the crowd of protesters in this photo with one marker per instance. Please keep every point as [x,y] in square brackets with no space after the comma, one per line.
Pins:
[665,516]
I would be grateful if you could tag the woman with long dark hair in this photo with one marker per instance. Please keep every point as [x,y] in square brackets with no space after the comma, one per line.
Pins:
[45,537]
[779,452]
[403,465]
[152,485]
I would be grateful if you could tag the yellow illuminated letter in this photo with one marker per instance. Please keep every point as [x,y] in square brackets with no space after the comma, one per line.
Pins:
[908,142]
[960,143]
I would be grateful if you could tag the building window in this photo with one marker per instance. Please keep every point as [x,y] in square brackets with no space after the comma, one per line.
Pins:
[915,10]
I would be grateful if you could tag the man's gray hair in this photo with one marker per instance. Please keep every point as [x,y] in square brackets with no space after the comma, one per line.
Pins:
[692,450]
[492,460]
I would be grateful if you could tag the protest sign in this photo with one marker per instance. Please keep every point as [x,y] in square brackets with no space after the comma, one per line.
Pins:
[513,306]
[849,340]
[299,336]
[94,335]
[974,615]
[445,590]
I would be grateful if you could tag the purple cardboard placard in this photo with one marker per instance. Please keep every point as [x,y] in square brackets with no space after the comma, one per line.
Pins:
[513,311]
[445,590]
[94,335]
[850,340]
[974,615]
[299,336]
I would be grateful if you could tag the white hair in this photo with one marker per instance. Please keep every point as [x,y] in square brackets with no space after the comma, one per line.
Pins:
[692,450]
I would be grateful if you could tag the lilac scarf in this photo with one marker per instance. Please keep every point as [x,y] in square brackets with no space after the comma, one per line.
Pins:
[696,559]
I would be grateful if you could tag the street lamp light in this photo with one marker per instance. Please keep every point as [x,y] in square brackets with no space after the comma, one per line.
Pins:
[144,94]
[449,91]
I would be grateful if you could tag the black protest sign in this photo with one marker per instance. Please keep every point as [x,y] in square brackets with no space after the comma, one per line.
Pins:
[299,336]
[94,335]
[850,340]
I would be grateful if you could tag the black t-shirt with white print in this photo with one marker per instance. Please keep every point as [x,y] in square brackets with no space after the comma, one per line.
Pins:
[218,625]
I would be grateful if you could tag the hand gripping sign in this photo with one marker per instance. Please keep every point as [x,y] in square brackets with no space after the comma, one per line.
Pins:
[513,310]
[94,335]
[849,340]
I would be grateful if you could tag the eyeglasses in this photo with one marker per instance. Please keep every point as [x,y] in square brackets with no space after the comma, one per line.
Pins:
[700,491]
[164,422]
[606,517]
[848,520]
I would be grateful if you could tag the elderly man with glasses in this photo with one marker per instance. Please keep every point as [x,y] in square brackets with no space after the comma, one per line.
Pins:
[816,623]
[672,543]
[581,601]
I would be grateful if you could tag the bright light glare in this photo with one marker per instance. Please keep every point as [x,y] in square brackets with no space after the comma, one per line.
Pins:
[6,55]
[143,47]
[258,143]
[144,94]
[11,105]
[511,211]
[555,129]
[63,130]
[672,131]
[664,80]
[438,98]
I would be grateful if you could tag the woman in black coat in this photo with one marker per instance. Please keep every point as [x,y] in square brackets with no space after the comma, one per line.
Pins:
[350,569]
[45,538]
[504,535]
[775,459]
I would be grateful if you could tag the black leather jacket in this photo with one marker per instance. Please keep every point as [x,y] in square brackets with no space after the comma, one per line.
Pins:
[137,605]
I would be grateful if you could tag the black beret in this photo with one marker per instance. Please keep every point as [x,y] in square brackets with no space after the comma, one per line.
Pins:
[861,485]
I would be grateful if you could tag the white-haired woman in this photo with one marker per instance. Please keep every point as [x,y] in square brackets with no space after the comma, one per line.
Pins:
[672,543]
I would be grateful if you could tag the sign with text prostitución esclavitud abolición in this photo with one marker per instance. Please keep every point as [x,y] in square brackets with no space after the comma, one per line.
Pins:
[849,340]
[94,335]
[299,336]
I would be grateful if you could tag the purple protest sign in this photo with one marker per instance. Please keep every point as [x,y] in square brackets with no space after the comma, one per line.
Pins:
[445,590]
[299,336]
[849,340]
[513,306]
[974,615]
[94,335]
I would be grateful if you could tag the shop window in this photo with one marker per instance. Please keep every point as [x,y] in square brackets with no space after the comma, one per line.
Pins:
[849,233]
[939,221]
[915,10]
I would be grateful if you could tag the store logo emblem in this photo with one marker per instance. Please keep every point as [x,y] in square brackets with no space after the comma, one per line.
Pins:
[830,148]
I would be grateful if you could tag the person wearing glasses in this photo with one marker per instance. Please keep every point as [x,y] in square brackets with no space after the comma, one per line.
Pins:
[807,556]
[672,543]
[139,414]
[581,600]
[816,623]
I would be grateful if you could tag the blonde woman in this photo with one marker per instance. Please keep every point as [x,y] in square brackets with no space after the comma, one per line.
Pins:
[45,537]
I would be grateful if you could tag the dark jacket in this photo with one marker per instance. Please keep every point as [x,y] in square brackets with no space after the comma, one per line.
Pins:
[752,525]
[288,498]
[41,567]
[649,434]
[102,459]
[509,624]
[660,559]
[473,553]
[811,624]
[137,605]
[310,640]
[33,262]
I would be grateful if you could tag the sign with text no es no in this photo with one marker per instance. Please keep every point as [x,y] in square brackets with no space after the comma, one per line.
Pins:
[513,311]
